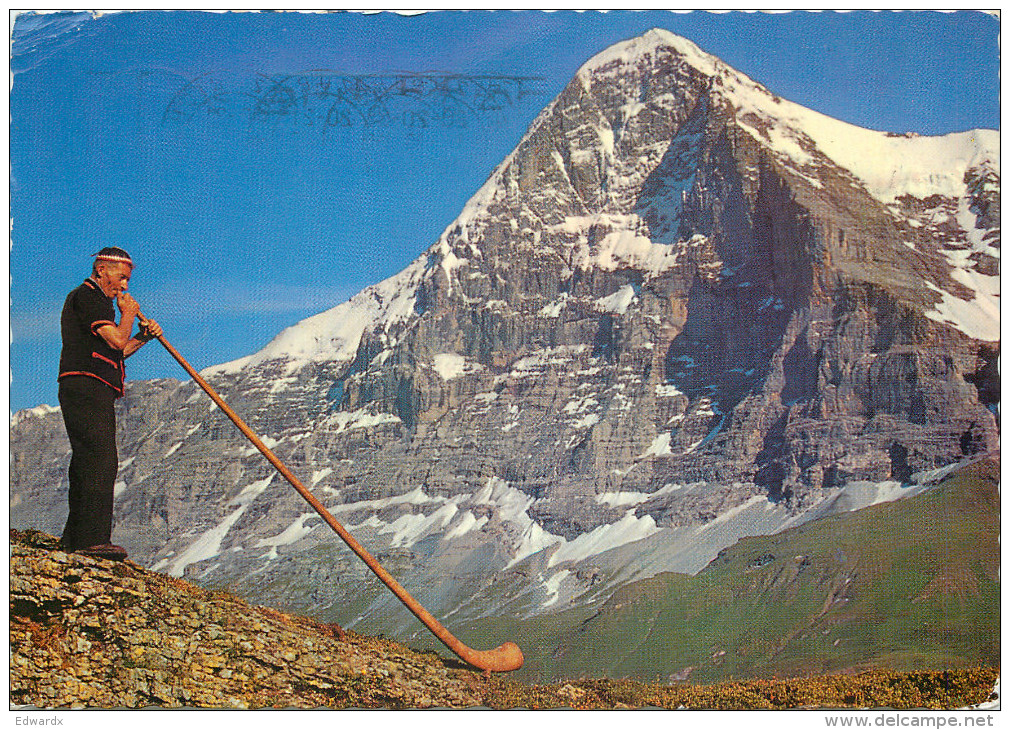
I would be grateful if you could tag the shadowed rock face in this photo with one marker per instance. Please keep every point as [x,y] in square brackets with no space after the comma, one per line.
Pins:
[669,300]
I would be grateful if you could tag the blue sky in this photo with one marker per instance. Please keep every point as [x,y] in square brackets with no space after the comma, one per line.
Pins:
[160,132]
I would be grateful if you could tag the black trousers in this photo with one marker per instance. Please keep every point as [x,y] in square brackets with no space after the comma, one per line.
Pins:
[90,417]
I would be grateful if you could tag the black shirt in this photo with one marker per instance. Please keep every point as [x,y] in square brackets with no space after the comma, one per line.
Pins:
[85,352]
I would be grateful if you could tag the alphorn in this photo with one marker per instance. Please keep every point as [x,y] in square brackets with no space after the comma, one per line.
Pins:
[506,658]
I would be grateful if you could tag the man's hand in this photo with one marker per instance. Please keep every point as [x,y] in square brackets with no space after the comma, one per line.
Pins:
[118,336]
[150,329]
[128,306]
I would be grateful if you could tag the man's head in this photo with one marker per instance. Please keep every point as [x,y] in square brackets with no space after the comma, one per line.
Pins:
[112,270]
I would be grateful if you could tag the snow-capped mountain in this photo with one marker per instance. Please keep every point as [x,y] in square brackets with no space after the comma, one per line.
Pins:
[681,311]
[889,167]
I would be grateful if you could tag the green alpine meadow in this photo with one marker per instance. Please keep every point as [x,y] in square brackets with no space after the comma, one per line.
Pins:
[909,585]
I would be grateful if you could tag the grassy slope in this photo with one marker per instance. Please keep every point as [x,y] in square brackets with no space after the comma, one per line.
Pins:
[908,585]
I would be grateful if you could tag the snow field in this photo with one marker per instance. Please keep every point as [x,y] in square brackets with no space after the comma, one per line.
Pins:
[605,537]
[334,335]
[319,475]
[619,301]
[39,411]
[292,533]
[208,544]
[660,446]
[667,391]
[553,587]
[450,366]
[979,318]
[361,418]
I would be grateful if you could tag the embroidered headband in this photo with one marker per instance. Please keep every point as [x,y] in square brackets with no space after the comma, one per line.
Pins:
[113,253]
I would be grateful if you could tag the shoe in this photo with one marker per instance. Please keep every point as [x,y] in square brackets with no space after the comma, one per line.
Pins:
[107,551]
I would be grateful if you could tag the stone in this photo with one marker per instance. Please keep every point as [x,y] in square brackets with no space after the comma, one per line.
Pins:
[153,659]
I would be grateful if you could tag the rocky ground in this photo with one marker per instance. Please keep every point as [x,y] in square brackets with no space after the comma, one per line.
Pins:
[94,633]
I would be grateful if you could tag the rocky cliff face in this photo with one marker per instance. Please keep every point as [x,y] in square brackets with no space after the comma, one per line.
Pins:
[682,311]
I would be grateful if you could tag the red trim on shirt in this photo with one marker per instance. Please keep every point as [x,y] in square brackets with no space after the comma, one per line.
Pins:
[100,323]
[102,356]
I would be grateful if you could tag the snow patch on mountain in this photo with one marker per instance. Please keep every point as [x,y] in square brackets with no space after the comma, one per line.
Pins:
[619,301]
[629,528]
[581,403]
[667,391]
[532,540]
[414,497]
[859,494]
[543,359]
[450,365]
[334,335]
[621,499]
[624,246]
[660,446]
[39,411]
[409,528]
[208,544]
[553,588]
[554,309]
[361,418]
[319,474]
[467,523]
[268,441]
[512,505]
[292,533]
[633,498]
[978,318]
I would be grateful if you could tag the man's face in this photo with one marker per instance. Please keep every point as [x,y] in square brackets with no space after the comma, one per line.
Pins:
[113,278]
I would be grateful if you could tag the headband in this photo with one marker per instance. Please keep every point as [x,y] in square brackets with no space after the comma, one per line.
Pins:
[125,259]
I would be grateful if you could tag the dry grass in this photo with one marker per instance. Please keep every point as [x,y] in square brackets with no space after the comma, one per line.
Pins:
[898,690]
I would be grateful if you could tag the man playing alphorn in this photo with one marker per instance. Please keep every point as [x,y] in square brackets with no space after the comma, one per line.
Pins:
[91,379]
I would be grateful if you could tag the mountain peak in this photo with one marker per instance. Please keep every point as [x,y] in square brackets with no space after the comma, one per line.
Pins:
[633,91]
[633,49]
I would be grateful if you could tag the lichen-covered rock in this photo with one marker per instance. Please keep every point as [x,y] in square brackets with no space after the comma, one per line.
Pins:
[86,632]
